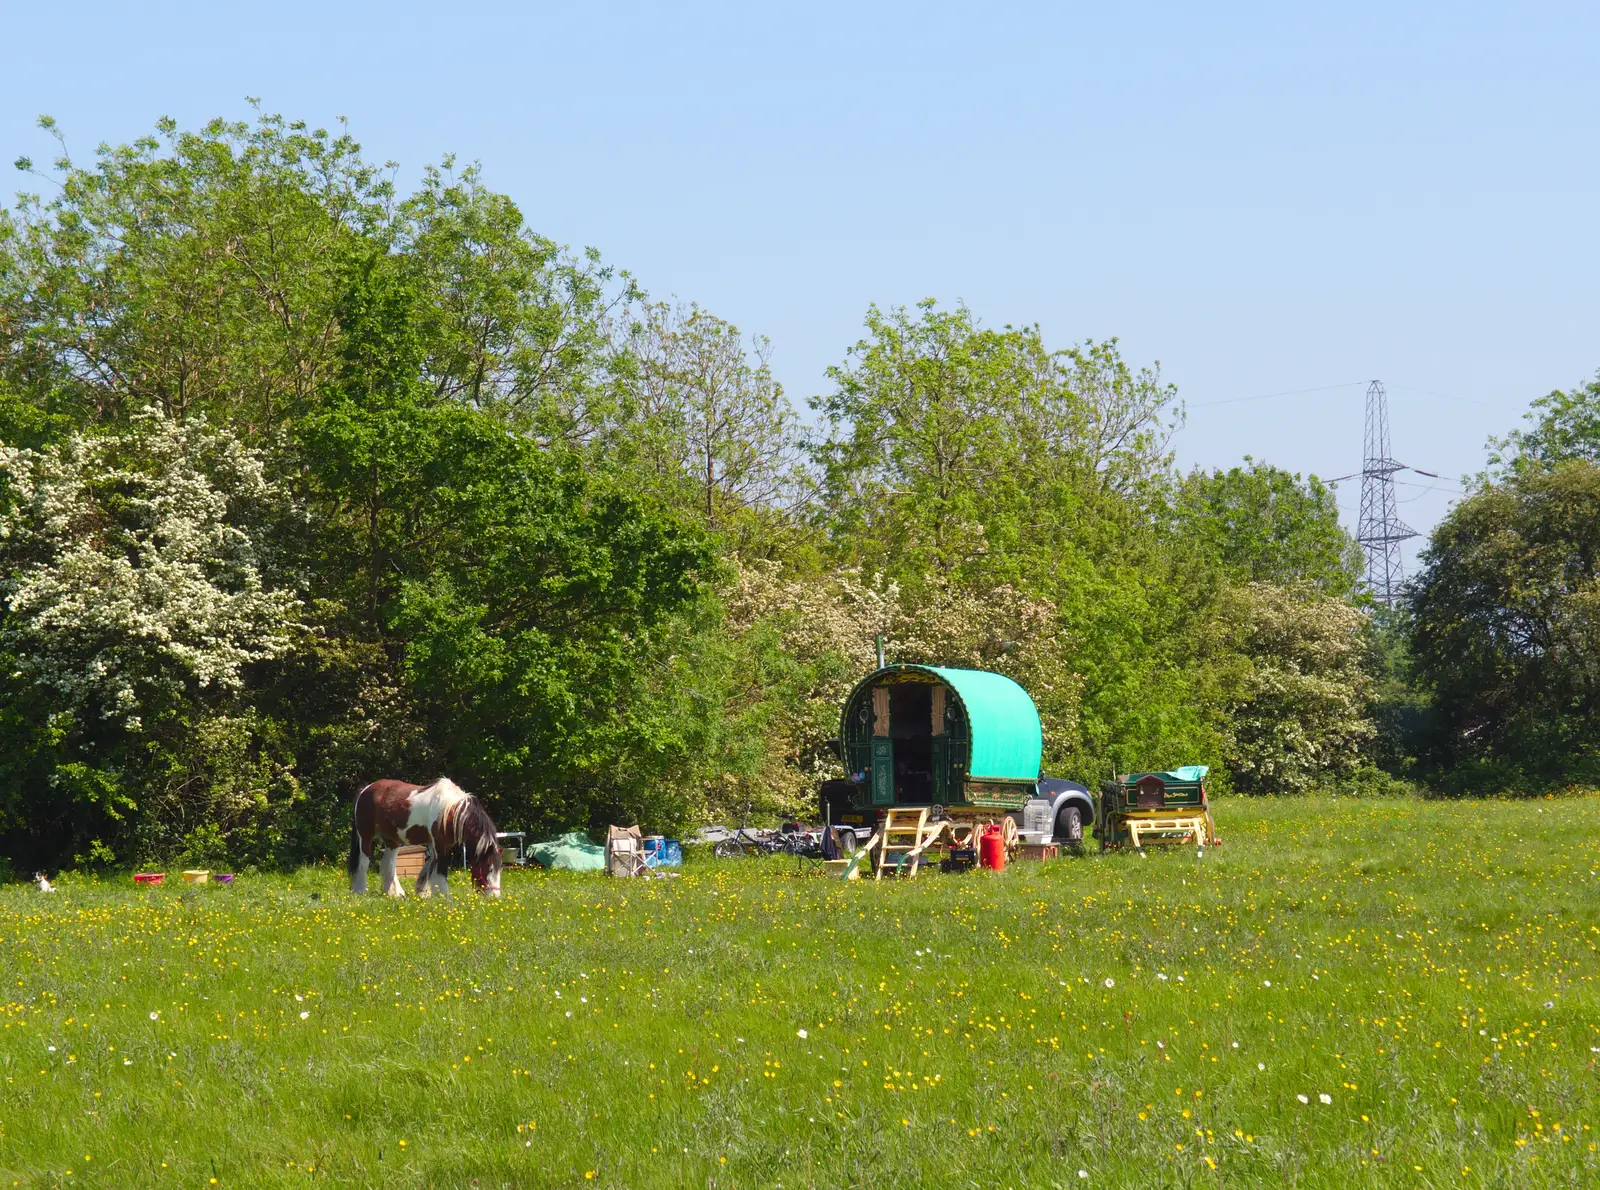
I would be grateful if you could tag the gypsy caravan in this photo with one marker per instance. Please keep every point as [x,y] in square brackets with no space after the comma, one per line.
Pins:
[964,743]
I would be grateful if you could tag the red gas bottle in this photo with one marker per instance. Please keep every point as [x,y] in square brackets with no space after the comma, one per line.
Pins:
[992,848]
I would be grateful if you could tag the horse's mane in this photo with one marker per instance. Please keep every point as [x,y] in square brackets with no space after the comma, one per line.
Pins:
[475,828]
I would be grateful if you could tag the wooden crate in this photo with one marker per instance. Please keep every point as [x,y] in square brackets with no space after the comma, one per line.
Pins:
[1039,851]
[408,862]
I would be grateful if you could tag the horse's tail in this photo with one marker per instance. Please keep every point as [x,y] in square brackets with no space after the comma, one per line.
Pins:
[354,861]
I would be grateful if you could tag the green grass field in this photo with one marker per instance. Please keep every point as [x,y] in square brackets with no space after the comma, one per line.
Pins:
[1349,993]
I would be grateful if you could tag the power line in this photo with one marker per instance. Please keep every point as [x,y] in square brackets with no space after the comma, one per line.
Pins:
[1338,479]
[1426,491]
[1431,487]
[1296,392]
[1293,392]
[1447,396]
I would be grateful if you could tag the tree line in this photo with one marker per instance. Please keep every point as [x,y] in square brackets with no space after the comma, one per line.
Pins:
[304,482]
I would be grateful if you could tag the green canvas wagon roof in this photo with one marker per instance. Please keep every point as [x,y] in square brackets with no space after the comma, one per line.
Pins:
[1007,740]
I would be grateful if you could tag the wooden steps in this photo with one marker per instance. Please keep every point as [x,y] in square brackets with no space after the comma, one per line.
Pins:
[905,836]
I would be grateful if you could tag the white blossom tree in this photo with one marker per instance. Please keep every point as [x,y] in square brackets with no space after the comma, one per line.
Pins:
[1298,714]
[129,576]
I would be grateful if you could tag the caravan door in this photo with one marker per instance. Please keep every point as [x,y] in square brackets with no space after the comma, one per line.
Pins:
[882,750]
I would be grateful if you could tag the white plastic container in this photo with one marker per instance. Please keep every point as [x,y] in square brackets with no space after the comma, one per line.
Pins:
[1037,819]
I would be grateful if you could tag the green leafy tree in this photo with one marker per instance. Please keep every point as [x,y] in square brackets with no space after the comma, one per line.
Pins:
[1400,703]
[1506,629]
[920,460]
[711,426]
[1562,426]
[201,271]
[949,447]
[436,387]
[1266,525]
[193,271]
[1097,422]
[510,323]
[518,593]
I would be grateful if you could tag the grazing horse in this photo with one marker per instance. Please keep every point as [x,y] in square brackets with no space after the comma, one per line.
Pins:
[441,816]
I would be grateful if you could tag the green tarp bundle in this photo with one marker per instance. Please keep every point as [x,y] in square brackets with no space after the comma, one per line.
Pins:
[1187,775]
[570,853]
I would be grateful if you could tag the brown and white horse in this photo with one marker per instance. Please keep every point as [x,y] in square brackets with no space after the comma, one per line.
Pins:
[441,817]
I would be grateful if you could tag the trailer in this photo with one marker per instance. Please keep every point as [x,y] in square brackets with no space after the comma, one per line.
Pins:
[1165,807]
[964,743]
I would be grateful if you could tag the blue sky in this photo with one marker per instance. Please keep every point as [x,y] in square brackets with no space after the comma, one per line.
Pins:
[1264,197]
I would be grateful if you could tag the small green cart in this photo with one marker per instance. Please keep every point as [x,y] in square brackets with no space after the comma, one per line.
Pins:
[1169,807]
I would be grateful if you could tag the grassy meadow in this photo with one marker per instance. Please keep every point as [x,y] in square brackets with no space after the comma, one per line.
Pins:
[1347,993]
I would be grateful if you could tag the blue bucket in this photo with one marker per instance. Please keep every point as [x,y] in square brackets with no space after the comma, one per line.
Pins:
[662,853]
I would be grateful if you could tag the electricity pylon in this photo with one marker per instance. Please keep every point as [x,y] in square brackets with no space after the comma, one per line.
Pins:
[1380,529]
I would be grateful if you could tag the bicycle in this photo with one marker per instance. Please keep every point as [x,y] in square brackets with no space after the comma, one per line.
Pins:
[791,840]
[743,841]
